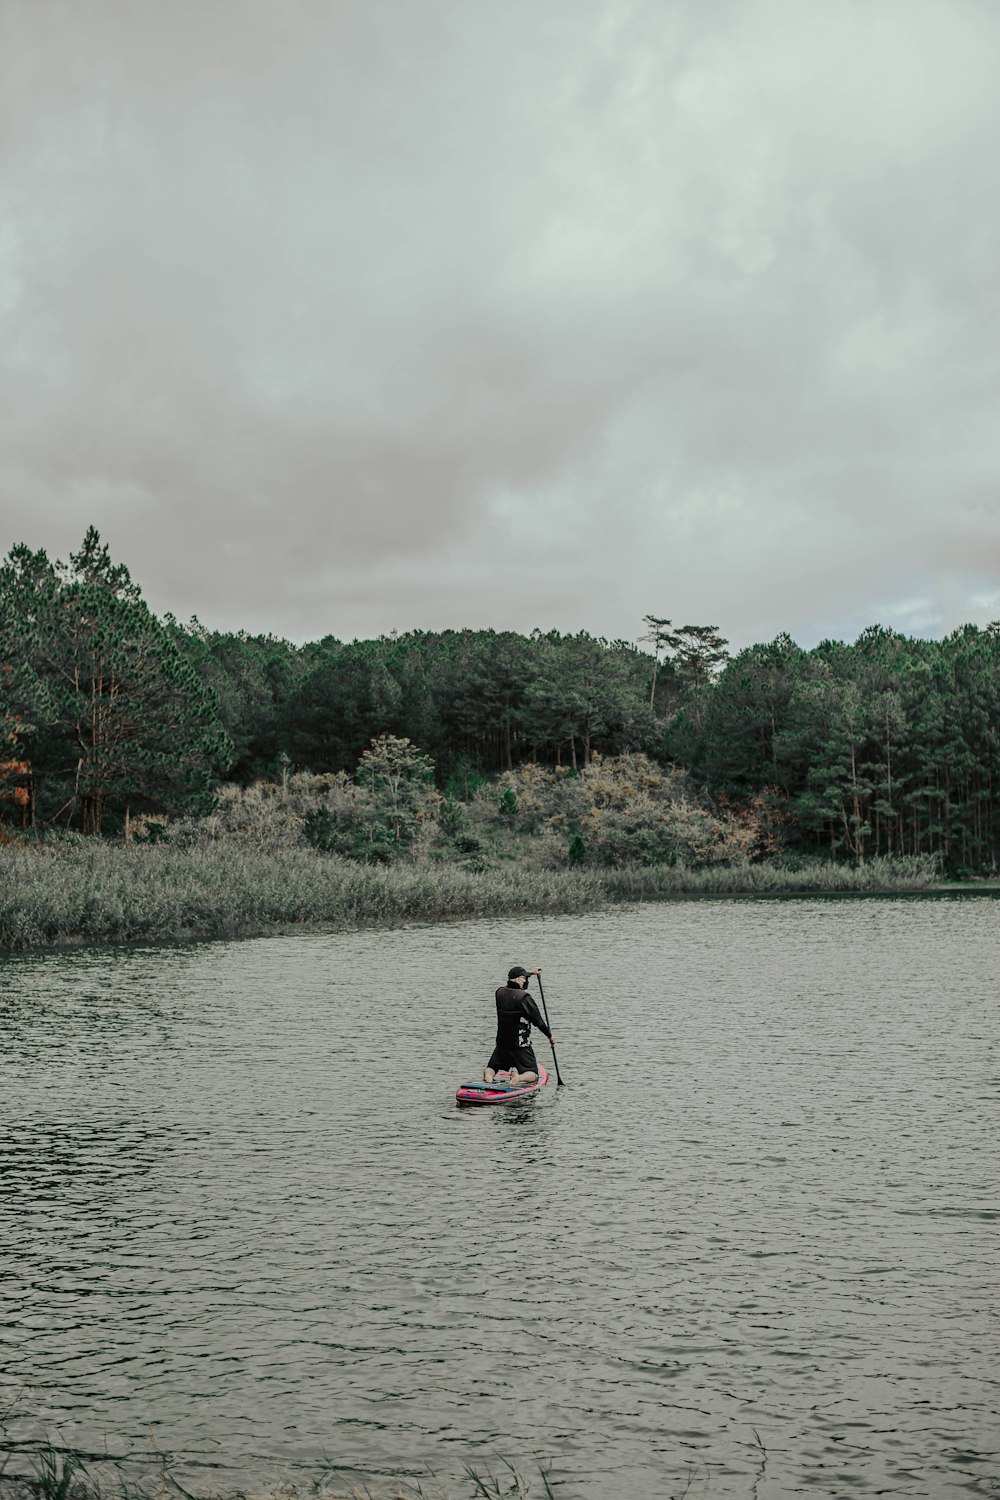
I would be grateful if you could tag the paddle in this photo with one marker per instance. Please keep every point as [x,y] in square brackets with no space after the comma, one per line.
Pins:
[545,1013]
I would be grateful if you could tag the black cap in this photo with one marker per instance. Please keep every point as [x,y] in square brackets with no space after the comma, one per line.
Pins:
[517,972]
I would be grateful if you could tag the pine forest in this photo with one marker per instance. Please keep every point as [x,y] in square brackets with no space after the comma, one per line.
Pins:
[470,744]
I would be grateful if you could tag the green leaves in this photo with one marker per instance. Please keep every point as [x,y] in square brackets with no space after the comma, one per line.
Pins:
[120,719]
[887,746]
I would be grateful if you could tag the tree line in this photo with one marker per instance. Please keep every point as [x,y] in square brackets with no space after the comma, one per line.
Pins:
[888,745]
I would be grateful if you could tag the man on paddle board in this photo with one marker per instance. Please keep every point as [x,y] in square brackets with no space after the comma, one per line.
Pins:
[516,1014]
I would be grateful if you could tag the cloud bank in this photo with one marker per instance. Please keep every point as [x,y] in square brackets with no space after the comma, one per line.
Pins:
[338,317]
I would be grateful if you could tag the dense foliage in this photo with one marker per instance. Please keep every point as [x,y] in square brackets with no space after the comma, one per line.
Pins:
[108,711]
[886,747]
[889,746]
[477,701]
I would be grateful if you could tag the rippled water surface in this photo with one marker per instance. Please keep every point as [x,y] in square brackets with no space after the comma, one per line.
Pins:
[751,1245]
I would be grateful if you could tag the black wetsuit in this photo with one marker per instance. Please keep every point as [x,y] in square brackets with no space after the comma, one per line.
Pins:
[516,1014]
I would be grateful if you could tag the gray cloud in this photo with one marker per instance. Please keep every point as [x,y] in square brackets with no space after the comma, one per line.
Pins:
[339,317]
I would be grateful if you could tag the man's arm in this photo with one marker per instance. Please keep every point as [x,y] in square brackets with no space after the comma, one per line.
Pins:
[534,1015]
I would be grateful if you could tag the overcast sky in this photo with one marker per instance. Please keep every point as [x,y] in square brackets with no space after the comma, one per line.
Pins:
[339,316]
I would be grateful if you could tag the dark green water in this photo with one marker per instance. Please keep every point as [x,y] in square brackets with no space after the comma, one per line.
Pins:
[239,1207]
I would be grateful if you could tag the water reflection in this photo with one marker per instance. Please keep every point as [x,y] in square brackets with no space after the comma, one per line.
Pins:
[239,1205]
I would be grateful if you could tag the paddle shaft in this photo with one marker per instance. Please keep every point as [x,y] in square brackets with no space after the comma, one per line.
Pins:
[545,1013]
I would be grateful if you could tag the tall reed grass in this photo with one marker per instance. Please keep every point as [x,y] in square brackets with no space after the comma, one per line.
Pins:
[112,893]
[102,893]
[889,876]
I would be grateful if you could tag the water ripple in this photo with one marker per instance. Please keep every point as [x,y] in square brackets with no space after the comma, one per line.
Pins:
[750,1245]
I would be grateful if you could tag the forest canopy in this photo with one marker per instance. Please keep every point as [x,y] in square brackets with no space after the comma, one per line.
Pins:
[887,746]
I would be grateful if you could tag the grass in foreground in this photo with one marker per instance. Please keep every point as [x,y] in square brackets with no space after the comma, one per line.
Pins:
[58,1474]
[104,893]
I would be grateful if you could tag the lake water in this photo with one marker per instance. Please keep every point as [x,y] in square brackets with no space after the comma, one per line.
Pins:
[751,1247]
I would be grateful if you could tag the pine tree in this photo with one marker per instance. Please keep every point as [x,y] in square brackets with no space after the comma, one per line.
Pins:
[122,719]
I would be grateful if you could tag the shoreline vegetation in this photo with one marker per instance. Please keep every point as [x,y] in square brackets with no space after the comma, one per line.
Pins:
[54,896]
[843,752]
[161,782]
